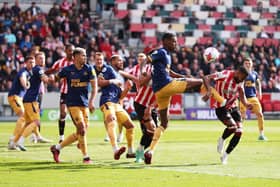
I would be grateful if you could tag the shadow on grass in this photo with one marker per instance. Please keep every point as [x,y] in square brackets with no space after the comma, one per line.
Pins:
[184,165]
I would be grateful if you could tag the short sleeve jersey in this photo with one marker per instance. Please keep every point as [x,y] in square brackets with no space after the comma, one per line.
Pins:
[250,84]
[110,93]
[17,88]
[32,93]
[161,62]
[78,84]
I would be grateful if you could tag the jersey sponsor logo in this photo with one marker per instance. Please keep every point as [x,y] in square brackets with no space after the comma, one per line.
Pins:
[104,69]
[78,83]
[41,72]
[249,84]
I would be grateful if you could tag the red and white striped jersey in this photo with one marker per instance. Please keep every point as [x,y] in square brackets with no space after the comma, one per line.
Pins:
[145,95]
[57,66]
[227,87]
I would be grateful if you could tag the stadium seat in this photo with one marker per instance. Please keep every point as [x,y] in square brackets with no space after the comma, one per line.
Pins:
[255,15]
[233,41]
[241,15]
[210,21]
[204,27]
[267,107]
[268,15]
[236,21]
[150,13]
[188,2]
[256,28]
[136,27]
[266,97]
[177,13]
[149,26]
[263,22]
[229,14]
[217,15]
[156,19]
[230,28]
[150,40]
[142,6]
[190,41]
[178,27]
[150,32]
[108,1]
[162,27]
[184,20]
[202,15]
[259,42]
[211,3]
[251,2]
[252,34]
[218,27]
[190,26]
[122,6]
[161,2]
[225,34]
[276,105]
[276,35]
[169,7]
[243,28]
[238,3]
[121,1]
[121,14]
[205,40]
[269,29]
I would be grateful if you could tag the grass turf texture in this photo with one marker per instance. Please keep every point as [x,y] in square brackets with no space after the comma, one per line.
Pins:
[185,156]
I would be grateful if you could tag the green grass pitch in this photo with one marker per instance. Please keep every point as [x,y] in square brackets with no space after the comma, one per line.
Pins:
[185,156]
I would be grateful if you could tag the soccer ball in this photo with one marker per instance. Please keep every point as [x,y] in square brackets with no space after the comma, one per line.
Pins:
[211,54]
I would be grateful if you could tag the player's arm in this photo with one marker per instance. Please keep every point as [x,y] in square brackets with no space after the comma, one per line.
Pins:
[53,69]
[176,75]
[127,87]
[92,95]
[24,82]
[259,88]
[243,99]
[103,82]
[128,76]
[144,78]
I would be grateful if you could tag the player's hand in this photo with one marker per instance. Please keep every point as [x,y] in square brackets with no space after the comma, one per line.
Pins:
[206,96]
[116,82]
[249,106]
[128,84]
[259,97]
[91,107]
[51,78]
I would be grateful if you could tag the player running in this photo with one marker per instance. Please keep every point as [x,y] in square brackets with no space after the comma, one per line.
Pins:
[20,85]
[30,103]
[252,84]
[166,83]
[57,66]
[229,84]
[78,75]
[110,82]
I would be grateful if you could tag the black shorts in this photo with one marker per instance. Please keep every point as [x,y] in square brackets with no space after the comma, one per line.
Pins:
[140,109]
[225,115]
[62,98]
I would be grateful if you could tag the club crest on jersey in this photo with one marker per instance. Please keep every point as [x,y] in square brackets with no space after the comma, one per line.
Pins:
[85,73]
[72,73]
[104,69]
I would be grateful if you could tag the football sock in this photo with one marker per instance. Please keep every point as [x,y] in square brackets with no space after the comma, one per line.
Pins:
[233,143]
[130,137]
[159,130]
[83,144]
[146,140]
[227,132]
[61,126]
[19,125]
[37,131]
[58,146]
[69,140]
[21,140]
[140,148]
[112,132]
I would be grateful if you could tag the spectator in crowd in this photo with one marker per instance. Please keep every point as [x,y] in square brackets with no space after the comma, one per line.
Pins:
[34,9]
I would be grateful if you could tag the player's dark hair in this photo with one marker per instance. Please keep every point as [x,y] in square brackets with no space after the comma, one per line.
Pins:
[67,46]
[167,36]
[114,57]
[243,70]
[78,50]
[29,58]
[39,53]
